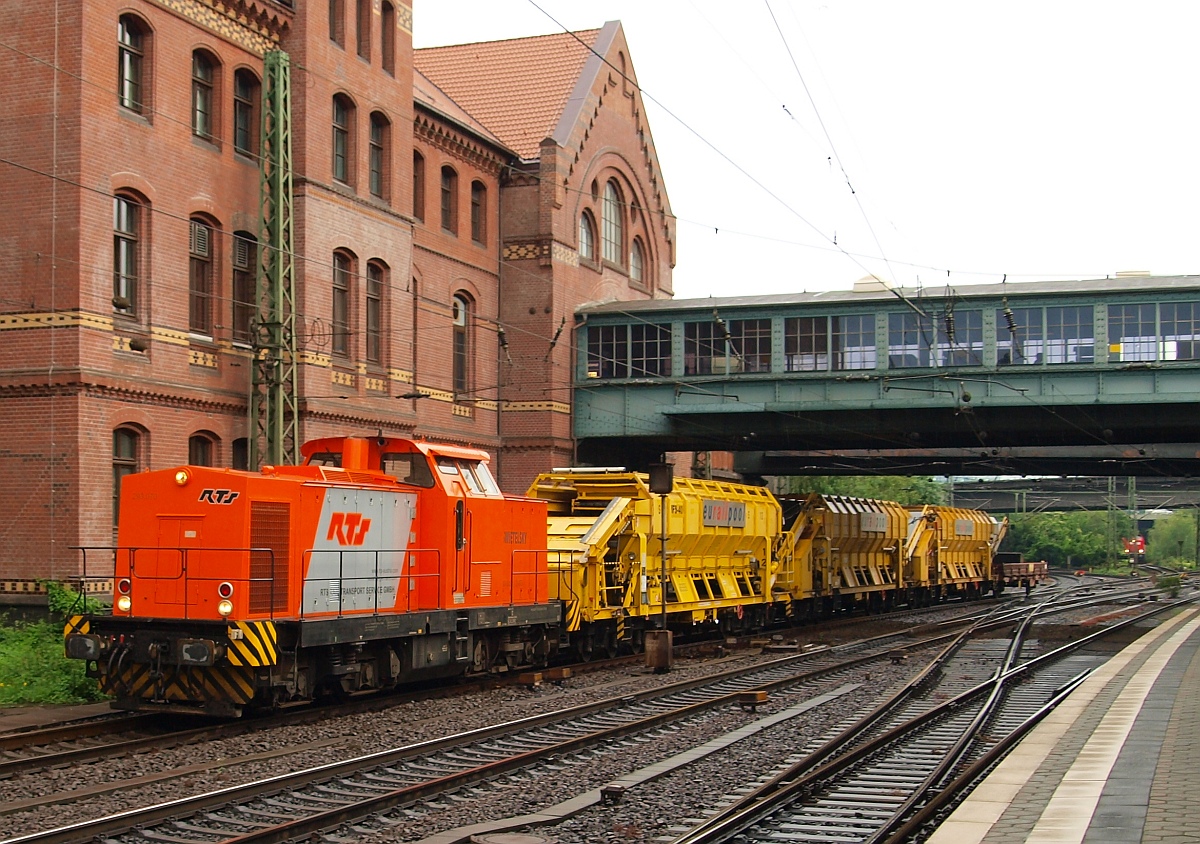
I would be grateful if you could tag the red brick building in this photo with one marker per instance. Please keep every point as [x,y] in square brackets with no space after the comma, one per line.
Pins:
[451,208]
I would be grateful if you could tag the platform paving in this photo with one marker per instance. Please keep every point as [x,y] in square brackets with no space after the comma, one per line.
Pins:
[1114,764]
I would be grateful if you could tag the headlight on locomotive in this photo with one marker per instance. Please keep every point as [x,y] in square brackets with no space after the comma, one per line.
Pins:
[124,603]
[225,607]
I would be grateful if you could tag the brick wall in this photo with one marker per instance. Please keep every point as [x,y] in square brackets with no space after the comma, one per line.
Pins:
[72,369]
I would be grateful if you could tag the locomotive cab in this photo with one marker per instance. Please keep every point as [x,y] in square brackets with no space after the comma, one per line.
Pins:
[374,561]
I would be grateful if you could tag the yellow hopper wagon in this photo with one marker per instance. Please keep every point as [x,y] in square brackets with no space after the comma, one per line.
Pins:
[950,549]
[616,578]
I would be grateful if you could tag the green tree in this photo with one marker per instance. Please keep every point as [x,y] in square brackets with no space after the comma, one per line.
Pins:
[1172,541]
[1077,540]
[905,490]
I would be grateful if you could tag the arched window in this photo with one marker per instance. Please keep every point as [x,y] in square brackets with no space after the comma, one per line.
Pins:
[387,41]
[200,277]
[364,29]
[127,250]
[343,271]
[587,237]
[449,199]
[132,76]
[611,235]
[201,449]
[375,289]
[337,18]
[343,138]
[204,107]
[478,212]
[461,313]
[245,262]
[245,112]
[126,451]
[418,186]
[240,453]
[380,155]
[636,261]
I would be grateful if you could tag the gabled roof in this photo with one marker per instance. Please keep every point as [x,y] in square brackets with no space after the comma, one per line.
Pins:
[517,88]
[427,94]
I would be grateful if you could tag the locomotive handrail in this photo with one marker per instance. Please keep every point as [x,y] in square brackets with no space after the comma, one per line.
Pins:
[406,554]
[132,552]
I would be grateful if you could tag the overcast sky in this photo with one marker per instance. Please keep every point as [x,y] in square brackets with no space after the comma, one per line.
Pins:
[1042,140]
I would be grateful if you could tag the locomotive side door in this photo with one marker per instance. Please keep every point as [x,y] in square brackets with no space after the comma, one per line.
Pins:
[170,565]
[460,516]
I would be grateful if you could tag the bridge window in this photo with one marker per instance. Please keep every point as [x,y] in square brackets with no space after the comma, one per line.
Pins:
[718,348]
[621,351]
[806,344]
[960,338]
[1070,335]
[1132,333]
[1019,336]
[909,338]
[854,342]
[608,351]
[650,350]
[1180,327]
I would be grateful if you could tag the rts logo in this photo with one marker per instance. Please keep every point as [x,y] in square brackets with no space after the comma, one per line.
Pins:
[218,496]
[348,528]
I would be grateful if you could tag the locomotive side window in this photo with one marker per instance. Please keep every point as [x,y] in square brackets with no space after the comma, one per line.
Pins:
[469,476]
[326,458]
[408,468]
[484,476]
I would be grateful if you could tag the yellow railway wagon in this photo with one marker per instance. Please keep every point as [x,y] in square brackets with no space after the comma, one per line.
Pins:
[840,552]
[951,549]
[607,561]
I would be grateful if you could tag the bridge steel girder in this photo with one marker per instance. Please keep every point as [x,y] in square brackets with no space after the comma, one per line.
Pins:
[1129,415]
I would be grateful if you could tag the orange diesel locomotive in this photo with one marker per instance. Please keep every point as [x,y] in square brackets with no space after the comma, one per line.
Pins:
[374,562]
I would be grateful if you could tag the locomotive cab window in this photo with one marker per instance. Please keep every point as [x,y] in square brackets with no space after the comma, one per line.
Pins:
[484,476]
[474,475]
[408,468]
[326,458]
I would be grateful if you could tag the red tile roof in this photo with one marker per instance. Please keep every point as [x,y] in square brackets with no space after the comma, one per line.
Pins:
[431,96]
[516,88]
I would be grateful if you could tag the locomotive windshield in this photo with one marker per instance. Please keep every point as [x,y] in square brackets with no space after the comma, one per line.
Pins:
[408,468]
[475,474]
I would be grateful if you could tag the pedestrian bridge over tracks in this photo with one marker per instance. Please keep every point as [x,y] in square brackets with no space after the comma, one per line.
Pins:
[1095,377]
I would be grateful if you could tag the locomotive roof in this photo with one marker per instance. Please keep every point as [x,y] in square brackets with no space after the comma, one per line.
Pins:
[334,444]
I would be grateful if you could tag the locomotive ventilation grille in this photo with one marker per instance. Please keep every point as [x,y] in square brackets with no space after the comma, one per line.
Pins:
[270,527]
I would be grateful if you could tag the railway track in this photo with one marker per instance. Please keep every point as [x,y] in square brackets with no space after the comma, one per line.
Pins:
[882,777]
[379,783]
[297,804]
[119,734]
[77,743]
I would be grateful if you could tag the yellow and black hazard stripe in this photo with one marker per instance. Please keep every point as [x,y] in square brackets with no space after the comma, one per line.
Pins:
[253,643]
[179,684]
[77,624]
[574,616]
[621,634]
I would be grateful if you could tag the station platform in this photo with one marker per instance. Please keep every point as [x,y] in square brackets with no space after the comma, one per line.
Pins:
[1116,763]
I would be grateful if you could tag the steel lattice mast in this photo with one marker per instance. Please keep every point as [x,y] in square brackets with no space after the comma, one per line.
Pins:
[273,418]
